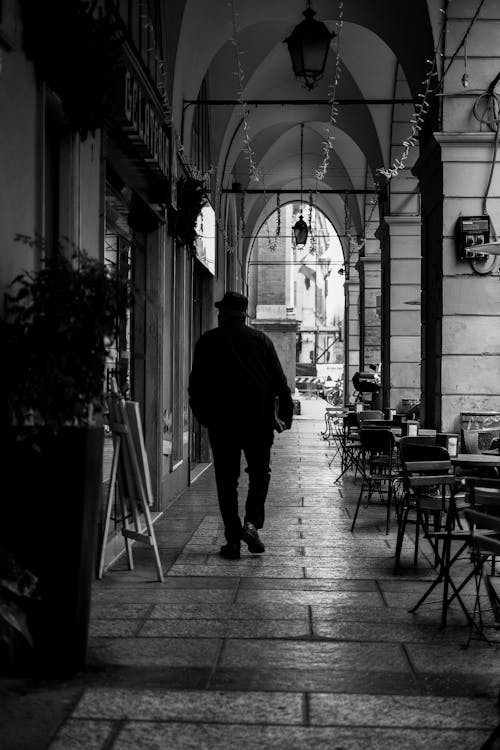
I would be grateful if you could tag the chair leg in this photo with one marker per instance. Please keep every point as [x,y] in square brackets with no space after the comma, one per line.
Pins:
[357,505]
[418,521]
[401,532]
[389,502]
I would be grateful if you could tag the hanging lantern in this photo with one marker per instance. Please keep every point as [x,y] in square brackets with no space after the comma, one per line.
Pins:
[300,231]
[308,45]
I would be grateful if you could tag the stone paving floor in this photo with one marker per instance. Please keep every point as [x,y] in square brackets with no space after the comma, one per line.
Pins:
[310,645]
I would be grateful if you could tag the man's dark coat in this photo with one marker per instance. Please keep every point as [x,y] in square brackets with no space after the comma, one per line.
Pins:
[235,378]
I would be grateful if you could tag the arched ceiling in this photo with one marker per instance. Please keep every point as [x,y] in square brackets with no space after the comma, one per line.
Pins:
[382,43]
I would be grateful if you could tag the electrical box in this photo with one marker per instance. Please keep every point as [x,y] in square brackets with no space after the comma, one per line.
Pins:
[470,233]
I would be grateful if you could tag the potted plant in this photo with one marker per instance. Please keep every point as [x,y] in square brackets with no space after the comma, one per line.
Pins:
[191,198]
[58,325]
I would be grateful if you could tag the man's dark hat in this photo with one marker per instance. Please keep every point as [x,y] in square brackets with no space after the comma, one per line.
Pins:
[233,303]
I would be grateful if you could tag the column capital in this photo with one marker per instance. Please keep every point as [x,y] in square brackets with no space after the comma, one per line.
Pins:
[403,219]
[464,139]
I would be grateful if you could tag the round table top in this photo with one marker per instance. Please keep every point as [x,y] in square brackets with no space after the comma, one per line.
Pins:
[476,459]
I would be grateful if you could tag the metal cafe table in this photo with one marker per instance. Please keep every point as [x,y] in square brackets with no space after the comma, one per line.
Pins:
[476,460]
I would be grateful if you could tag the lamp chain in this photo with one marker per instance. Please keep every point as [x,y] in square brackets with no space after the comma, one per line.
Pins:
[301,161]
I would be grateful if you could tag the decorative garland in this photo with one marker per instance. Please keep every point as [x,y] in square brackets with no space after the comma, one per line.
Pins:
[421,109]
[255,173]
[415,123]
[160,62]
[273,243]
[328,143]
[312,235]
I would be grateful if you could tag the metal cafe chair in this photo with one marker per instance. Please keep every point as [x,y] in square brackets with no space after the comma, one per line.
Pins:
[483,517]
[350,445]
[377,462]
[414,448]
[432,490]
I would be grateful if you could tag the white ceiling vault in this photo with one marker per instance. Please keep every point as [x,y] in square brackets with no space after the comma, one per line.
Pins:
[384,45]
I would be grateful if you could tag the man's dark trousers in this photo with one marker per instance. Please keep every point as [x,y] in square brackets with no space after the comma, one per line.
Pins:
[226,450]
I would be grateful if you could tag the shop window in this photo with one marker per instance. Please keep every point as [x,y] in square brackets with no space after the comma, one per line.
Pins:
[180,357]
[124,253]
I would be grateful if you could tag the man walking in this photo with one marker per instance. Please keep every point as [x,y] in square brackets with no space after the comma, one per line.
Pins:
[235,387]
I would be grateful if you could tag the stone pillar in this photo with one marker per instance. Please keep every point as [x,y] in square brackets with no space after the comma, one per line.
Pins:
[370,272]
[470,326]
[460,307]
[351,331]
[401,271]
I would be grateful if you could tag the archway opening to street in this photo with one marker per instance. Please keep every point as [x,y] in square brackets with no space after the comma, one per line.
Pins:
[296,293]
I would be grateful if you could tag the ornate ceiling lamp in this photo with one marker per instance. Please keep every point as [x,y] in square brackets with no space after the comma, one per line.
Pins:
[308,45]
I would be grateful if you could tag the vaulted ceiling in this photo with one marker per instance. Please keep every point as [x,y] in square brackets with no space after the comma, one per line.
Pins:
[383,49]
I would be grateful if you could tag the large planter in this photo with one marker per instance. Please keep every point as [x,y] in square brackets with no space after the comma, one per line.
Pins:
[50,508]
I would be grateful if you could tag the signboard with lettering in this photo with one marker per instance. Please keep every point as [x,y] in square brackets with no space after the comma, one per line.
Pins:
[143,122]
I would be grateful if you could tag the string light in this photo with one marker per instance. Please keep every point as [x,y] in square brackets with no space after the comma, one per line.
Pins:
[330,137]
[312,236]
[239,74]
[429,90]
[160,65]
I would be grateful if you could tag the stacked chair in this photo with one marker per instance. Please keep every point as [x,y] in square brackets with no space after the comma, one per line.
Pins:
[348,444]
[433,494]
[483,517]
[378,465]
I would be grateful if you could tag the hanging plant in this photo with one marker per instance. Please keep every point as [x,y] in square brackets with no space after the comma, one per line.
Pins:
[191,198]
[75,47]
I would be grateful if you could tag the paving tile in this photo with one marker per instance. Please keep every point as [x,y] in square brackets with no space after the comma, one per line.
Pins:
[82,735]
[380,632]
[335,655]
[265,611]
[478,659]
[235,567]
[261,677]
[365,598]
[402,711]
[310,645]
[165,594]
[104,609]
[158,736]
[225,628]
[200,582]
[148,677]
[249,707]
[324,584]
[114,628]
[382,615]
[140,652]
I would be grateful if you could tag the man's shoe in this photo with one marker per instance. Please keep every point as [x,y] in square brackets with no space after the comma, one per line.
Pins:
[230,551]
[252,538]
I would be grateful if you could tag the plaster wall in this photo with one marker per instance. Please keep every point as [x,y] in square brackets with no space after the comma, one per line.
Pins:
[353,333]
[283,335]
[19,158]
[404,309]
[470,325]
